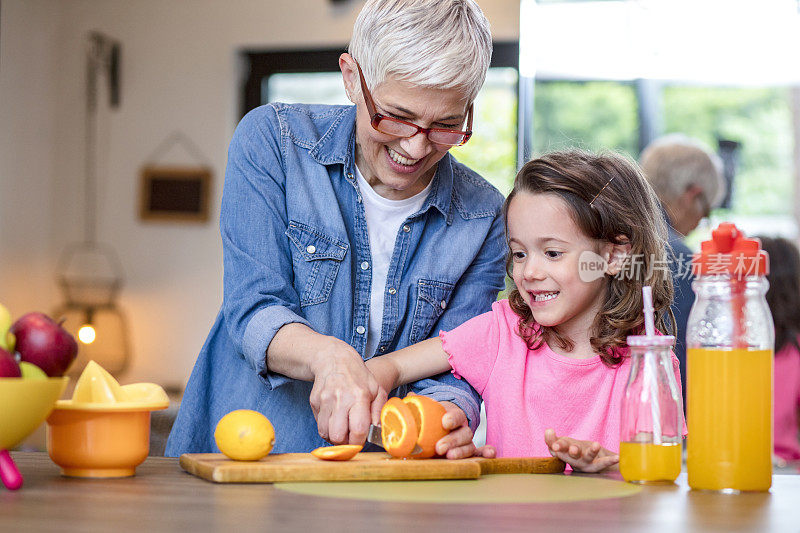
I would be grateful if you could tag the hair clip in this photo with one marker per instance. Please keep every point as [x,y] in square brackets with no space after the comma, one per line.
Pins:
[591,204]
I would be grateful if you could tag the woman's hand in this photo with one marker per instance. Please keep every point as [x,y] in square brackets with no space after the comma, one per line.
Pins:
[581,455]
[345,397]
[458,443]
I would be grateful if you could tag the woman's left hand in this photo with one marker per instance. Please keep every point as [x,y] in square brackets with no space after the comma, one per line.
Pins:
[458,443]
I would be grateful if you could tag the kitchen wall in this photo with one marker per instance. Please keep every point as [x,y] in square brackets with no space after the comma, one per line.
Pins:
[180,72]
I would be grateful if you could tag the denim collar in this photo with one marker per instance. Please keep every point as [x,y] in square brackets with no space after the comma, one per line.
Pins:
[337,146]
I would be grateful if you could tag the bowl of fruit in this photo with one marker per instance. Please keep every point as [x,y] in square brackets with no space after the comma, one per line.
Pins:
[35,352]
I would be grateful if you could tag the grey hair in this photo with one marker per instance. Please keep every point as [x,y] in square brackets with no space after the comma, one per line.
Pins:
[443,44]
[675,162]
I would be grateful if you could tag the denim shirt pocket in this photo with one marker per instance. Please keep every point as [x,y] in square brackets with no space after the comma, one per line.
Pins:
[316,258]
[432,298]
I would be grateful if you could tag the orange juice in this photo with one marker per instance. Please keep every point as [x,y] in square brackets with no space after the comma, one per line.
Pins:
[645,462]
[729,414]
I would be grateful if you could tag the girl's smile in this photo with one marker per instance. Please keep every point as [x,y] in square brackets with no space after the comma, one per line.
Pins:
[542,297]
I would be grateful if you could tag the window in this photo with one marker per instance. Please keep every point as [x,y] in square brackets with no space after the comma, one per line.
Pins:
[593,115]
[760,120]
[305,87]
[626,75]
[492,150]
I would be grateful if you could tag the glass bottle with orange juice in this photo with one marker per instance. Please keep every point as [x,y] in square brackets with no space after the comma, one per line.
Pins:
[729,340]
[651,420]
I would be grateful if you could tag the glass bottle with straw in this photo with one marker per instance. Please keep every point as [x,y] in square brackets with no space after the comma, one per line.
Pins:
[651,421]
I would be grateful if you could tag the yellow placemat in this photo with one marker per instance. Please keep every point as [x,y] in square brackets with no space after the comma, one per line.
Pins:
[497,488]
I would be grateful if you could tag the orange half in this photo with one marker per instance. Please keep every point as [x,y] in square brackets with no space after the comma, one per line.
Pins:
[428,414]
[342,452]
[398,428]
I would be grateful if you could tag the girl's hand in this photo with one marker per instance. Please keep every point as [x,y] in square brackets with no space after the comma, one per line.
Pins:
[581,455]
[458,443]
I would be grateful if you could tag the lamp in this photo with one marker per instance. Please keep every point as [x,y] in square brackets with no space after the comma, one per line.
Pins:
[89,273]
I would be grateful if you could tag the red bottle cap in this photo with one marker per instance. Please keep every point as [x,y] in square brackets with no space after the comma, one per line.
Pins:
[730,253]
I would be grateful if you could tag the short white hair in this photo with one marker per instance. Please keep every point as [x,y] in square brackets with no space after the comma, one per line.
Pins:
[443,44]
[675,162]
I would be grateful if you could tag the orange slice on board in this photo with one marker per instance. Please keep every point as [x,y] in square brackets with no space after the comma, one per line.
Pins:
[342,452]
[428,414]
[398,428]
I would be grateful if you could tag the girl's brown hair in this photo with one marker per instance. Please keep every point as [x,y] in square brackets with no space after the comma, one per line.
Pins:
[783,295]
[610,201]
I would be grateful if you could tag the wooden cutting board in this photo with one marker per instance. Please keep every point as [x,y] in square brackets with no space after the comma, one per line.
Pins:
[363,467]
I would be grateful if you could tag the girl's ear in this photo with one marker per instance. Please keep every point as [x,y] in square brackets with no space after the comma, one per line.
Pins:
[616,254]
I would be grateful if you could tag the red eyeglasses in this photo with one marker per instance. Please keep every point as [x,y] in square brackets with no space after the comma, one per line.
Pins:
[401,128]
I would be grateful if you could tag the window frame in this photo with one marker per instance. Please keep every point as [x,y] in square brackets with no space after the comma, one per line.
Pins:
[261,64]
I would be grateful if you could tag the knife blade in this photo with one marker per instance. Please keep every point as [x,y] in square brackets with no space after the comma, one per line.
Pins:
[375,436]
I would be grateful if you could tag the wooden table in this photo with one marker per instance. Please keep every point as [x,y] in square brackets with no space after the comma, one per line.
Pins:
[161,497]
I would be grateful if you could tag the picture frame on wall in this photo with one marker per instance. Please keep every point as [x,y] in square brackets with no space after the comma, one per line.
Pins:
[175,193]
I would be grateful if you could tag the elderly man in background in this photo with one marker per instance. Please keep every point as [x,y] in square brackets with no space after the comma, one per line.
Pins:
[688,180]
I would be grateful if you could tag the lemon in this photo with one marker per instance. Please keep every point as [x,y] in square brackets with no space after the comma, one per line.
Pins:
[31,371]
[244,435]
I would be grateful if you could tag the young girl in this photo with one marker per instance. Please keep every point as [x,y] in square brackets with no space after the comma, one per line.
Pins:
[585,234]
[783,297]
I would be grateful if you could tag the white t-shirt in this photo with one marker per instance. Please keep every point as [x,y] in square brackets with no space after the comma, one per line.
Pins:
[384,218]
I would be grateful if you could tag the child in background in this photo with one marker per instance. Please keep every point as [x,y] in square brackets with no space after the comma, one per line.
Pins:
[783,298]
[551,362]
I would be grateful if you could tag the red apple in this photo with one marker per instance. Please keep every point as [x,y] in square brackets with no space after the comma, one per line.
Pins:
[8,365]
[43,342]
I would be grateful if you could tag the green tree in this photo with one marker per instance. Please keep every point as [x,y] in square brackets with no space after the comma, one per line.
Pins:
[492,150]
[597,115]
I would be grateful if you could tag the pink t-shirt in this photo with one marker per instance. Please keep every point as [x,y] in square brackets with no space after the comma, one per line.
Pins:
[527,391]
[787,403]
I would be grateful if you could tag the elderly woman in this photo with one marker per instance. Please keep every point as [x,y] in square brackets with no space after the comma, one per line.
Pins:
[349,232]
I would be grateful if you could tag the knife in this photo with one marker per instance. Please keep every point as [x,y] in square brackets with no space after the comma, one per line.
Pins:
[375,436]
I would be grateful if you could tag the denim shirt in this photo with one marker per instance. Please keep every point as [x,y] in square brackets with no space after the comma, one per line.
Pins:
[296,249]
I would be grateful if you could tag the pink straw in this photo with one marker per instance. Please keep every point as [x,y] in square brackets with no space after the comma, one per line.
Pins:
[650,361]
[649,323]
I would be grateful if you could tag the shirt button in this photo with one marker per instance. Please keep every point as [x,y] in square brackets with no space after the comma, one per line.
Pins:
[383,349]
[392,290]
[443,304]
[364,265]
[360,330]
[311,249]
[406,228]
